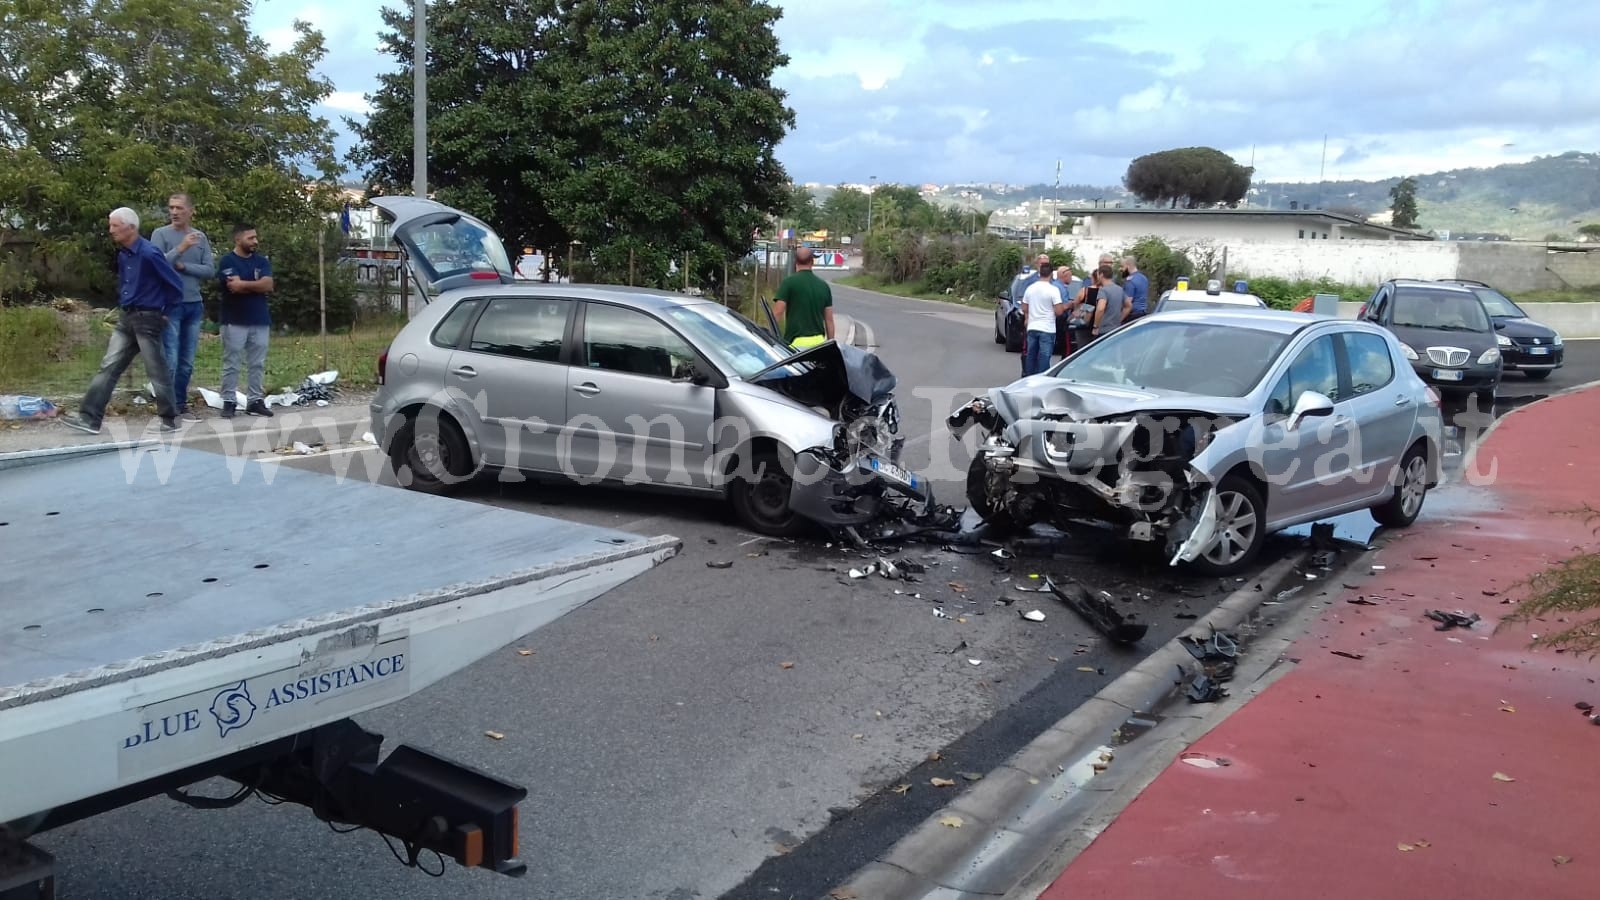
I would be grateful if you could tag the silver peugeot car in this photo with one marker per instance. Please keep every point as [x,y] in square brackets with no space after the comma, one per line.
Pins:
[1207,430]
[599,383]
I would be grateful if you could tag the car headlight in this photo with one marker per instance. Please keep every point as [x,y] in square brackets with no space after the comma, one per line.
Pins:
[1489,357]
[1556,342]
[1502,340]
[1406,349]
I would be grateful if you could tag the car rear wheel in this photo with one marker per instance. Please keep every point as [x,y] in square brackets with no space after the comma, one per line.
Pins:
[1241,518]
[761,500]
[1537,374]
[430,454]
[1411,487]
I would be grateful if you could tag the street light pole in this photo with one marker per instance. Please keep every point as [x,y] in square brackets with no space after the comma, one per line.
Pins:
[419,100]
[872,189]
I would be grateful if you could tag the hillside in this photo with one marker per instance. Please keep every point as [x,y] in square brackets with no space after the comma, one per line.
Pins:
[1547,195]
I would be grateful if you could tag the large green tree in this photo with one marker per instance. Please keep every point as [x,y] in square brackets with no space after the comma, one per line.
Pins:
[845,212]
[1403,203]
[108,103]
[644,130]
[1193,176]
[802,212]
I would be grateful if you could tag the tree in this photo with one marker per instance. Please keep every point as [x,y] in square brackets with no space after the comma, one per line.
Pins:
[647,129]
[1590,230]
[802,213]
[1403,203]
[1193,175]
[845,212]
[108,103]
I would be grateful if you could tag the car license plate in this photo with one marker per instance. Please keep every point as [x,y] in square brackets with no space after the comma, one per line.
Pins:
[894,473]
[1538,351]
[1447,374]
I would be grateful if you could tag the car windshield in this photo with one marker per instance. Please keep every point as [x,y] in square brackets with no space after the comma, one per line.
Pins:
[728,337]
[1439,310]
[1498,304]
[1186,357]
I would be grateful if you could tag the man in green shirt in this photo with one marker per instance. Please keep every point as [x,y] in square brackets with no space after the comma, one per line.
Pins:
[805,304]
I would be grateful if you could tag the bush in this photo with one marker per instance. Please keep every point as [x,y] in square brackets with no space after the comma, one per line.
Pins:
[1281,293]
[981,264]
[1162,264]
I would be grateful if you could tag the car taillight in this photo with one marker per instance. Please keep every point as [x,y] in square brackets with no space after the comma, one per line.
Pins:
[1433,396]
[383,365]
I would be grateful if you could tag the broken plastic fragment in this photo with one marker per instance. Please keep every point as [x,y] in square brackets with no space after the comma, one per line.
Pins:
[719,564]
[1003,553]
[951,821]
[974,662]
[786,665]
[1033,615]
[900,788]
[942,782]
[494,734]
[1501,776]
[857,573]
[524,652]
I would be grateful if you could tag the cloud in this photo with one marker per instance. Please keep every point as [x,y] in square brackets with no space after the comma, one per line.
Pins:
[947,91]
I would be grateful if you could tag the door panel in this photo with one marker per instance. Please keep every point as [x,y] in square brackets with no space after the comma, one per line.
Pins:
[1308,468]
[512,371]
[635,415]
[1383,407]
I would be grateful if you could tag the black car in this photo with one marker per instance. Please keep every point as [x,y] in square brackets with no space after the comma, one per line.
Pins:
[1445,332]
[1527,346]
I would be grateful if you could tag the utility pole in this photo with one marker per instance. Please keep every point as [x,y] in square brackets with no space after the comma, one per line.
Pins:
[1055,206]
[419,102]
[872,190]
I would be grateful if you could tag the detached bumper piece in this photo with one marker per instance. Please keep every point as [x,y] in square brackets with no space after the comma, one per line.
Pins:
[426,802]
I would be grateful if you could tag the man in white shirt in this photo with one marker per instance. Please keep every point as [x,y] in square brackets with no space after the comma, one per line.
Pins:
[1041,303]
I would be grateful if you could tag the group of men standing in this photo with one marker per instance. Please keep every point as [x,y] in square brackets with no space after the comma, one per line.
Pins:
[161,311]
[1092,309]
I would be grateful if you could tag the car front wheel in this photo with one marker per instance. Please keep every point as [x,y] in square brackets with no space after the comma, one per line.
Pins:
[430,454]
[1240,530]
[761,498]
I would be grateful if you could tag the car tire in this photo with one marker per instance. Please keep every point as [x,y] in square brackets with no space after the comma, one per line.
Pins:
[978,498]
[761,502]
[1537,374]
[1486,399]
[1240,500]
[1410,490]
[428,453]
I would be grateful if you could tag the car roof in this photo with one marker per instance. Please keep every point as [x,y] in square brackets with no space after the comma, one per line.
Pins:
[1432,285]
[1273,320]
[638,297]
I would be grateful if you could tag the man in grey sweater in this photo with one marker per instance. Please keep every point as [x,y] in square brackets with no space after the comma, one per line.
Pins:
[190,253]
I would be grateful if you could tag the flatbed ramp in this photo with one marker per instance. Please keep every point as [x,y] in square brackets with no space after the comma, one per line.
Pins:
[160,607]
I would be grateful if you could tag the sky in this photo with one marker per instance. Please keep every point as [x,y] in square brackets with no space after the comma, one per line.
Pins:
[947,92]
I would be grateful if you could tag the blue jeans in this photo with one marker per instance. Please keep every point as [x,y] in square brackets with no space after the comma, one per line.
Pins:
[1036,352]
[179,343]
[137,333]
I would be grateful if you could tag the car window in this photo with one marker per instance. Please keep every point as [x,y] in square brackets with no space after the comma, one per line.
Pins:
[1371,364]
[729,337]
[1191,357]
[448,332]
[1496,303]
[1315,369]
[1440,310]
[523,327]
[626,340]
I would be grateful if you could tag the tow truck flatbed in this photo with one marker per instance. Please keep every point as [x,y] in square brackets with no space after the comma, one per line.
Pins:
[162,607]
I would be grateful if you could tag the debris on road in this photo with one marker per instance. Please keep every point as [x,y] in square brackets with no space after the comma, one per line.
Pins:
[1415,845]
[495,735]
[1449,620]
[1033,615]
[719,564]
[786,665]
[974,662]
[951,821]
[1361,601]
[900,788]
[942,782]
[1347,654]
[1501,776]
[1099,612]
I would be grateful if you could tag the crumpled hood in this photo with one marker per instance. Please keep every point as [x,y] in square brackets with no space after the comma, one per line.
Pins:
[835,370]
[1046,395]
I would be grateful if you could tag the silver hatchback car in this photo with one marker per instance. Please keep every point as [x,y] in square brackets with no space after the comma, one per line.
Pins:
[598,383]
[1207,430]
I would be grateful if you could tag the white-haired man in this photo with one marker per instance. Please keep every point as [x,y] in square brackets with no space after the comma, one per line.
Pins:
[148,290]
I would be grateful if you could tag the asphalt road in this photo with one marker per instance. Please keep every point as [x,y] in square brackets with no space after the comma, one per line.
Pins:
[667,751]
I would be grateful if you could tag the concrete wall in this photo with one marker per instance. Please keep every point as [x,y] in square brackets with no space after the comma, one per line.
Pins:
[1512,267]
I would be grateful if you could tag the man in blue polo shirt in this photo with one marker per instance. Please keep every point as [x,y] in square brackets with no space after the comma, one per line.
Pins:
[1136,285]
[148,290]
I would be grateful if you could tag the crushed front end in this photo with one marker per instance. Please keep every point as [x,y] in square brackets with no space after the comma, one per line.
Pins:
[1072,463]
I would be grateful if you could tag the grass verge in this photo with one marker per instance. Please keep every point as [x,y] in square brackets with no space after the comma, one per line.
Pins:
[913,289]
[53,353]
[1569,587]
[1580,295]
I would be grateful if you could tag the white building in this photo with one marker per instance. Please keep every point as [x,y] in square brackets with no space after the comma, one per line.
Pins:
[1224,225]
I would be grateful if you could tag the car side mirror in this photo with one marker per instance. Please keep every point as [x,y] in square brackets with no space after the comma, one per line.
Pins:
[1310,405]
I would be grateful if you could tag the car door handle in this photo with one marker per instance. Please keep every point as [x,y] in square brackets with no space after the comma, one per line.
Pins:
[465,371]
[1402,400]
[1342,421]
[588,389]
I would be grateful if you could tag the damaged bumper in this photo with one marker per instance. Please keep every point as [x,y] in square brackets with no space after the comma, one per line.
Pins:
[857,491]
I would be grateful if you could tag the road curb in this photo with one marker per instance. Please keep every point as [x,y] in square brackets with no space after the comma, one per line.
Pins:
[1007,828]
